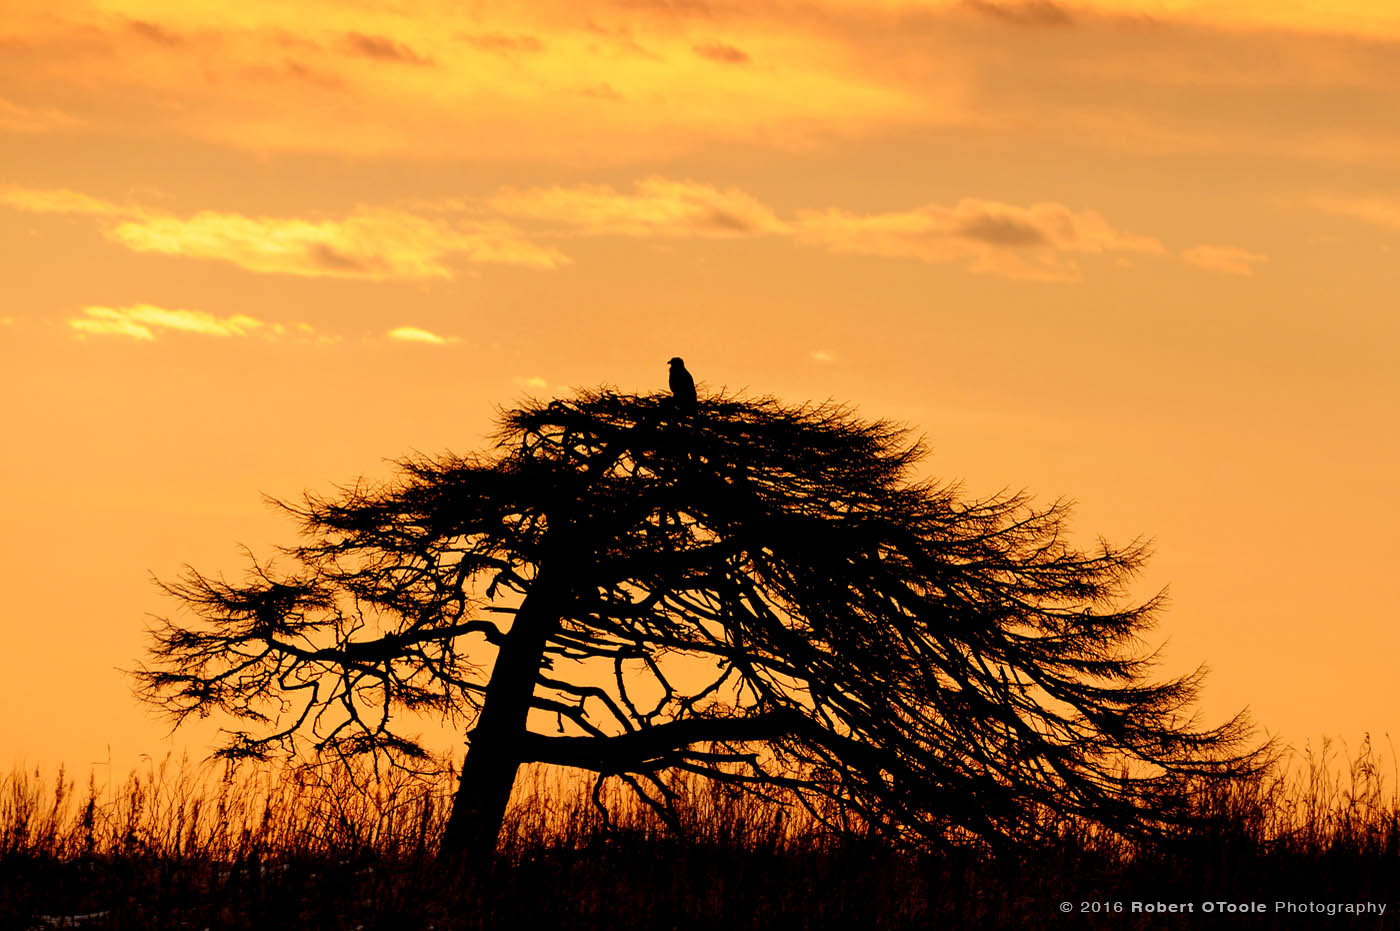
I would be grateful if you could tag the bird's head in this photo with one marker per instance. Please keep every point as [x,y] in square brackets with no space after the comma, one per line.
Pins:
[676,360]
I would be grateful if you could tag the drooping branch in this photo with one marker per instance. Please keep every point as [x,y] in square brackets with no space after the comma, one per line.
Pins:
[640,750]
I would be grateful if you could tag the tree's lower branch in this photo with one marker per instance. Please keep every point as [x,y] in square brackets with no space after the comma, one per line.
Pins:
[390,646]
[630,751]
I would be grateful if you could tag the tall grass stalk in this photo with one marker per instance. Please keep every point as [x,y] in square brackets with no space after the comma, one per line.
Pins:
[182,845]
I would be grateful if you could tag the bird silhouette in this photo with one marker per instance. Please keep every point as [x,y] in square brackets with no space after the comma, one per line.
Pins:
[682,386]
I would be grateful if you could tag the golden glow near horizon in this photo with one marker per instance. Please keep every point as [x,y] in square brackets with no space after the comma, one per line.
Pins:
[1137,253]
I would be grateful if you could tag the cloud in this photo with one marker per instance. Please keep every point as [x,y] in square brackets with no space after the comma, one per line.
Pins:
[418,240]
[681,9]
[499,85]
[1230,260]
[1382,211]
[61,200]
[372,242]
[822,355]
[1285,81]
[143,322]
[718,51]
[413,334]
[375,243]
[1033,242]
[154,32]
[15,118]
[658,207]
[1029,13]
[603,91]
[308,76]
[502,42]
[533,382]
[381,48]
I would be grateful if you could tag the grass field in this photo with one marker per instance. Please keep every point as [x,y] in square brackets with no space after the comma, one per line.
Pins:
[172,848]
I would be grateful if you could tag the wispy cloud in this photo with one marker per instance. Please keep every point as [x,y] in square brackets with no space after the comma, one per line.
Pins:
[1035,242]
[376,243]
[823,355]
[446,80]
[154,32]
[657,207]
[382,48]
[503,42]
[62,200]
[718,51]
[1131,76]
[373,243]
[602,91]
[419,240]
[1230,260]
[1382,211]
[532,382]
[413,334]
[145,321]
[15,118]
[1028,13]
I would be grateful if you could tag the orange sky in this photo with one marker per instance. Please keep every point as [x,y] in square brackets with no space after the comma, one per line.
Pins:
[1139,254]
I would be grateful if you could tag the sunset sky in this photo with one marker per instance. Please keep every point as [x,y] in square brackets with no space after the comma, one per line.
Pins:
[1137,254]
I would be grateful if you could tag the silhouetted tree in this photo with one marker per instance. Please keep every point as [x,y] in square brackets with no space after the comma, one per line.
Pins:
[758,594]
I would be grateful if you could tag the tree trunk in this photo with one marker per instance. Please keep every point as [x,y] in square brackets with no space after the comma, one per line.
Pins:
[497,743]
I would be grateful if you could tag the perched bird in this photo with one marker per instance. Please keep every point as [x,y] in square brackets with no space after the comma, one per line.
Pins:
[682,386]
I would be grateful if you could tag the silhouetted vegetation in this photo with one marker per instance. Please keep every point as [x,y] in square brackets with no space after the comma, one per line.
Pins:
[324,848]
[766,597]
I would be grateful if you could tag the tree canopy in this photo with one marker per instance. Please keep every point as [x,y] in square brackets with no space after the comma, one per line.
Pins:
[756,593]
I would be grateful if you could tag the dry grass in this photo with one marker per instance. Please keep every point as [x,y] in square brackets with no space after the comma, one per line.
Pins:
[171,847]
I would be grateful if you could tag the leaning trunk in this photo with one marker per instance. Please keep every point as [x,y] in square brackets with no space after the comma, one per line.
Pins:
[497,743]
